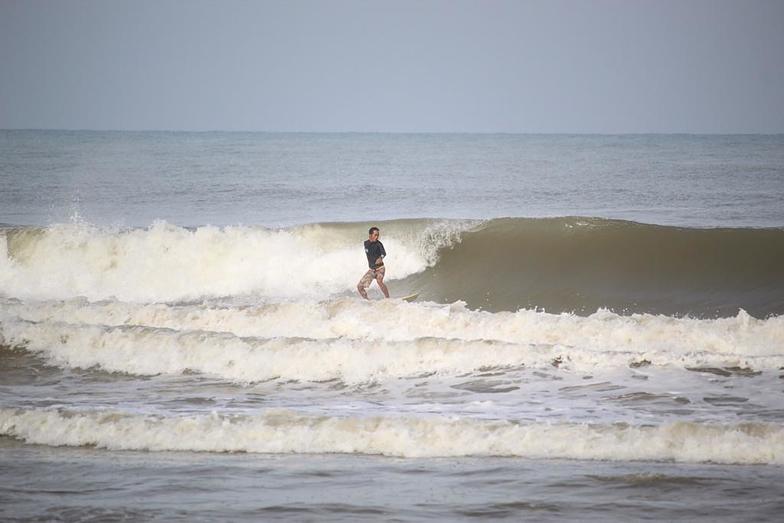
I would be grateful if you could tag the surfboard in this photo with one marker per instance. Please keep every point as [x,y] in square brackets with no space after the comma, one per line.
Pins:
[410,297]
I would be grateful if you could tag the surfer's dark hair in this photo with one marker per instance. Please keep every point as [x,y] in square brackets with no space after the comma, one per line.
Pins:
[370,231]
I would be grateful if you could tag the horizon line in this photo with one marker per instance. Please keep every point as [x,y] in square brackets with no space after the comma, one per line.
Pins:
[511,133]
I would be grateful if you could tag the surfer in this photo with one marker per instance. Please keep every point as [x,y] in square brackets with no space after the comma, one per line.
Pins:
[374,250]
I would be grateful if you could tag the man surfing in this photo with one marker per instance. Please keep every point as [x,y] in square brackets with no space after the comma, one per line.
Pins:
[374,250]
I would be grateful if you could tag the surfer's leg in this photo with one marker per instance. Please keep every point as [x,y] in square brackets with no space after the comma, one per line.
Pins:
[380,280]
[364,283]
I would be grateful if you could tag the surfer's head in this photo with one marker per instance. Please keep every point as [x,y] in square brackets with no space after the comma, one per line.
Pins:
[373,233]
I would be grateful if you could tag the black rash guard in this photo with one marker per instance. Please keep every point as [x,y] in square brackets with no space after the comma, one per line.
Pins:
[374,250]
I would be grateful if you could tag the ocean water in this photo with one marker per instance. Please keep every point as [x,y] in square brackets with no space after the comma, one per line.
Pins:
[599,332]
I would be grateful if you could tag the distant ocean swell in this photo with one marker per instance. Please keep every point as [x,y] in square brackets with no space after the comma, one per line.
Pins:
[557,264]
[285,431]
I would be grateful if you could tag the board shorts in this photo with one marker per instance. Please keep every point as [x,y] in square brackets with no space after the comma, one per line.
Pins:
[371,275]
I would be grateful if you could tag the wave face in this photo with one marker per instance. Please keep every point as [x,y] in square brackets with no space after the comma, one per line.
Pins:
[282,431]
[585,264]
[557,264]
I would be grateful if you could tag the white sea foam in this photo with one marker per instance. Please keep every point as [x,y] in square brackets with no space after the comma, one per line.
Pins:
[167,263]
[568,341]
[393,320]
[283,431]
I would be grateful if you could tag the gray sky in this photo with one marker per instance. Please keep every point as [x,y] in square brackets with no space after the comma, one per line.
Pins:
[483,66]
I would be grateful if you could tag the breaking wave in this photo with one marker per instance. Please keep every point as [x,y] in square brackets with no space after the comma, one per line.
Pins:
[557,264]
[356,341]
[586,264]
[165,263]
[283,431]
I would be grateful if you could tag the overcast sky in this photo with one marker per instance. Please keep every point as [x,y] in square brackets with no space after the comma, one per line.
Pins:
[480,66]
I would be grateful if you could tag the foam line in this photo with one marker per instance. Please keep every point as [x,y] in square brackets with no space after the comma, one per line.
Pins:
[150,351]
[283,431]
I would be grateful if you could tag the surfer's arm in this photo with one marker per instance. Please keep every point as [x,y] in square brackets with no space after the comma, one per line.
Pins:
[382,253]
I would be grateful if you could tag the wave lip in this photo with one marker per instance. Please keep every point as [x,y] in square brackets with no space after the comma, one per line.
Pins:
[283,431]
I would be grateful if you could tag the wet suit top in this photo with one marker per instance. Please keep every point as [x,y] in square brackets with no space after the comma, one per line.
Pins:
[374,250]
